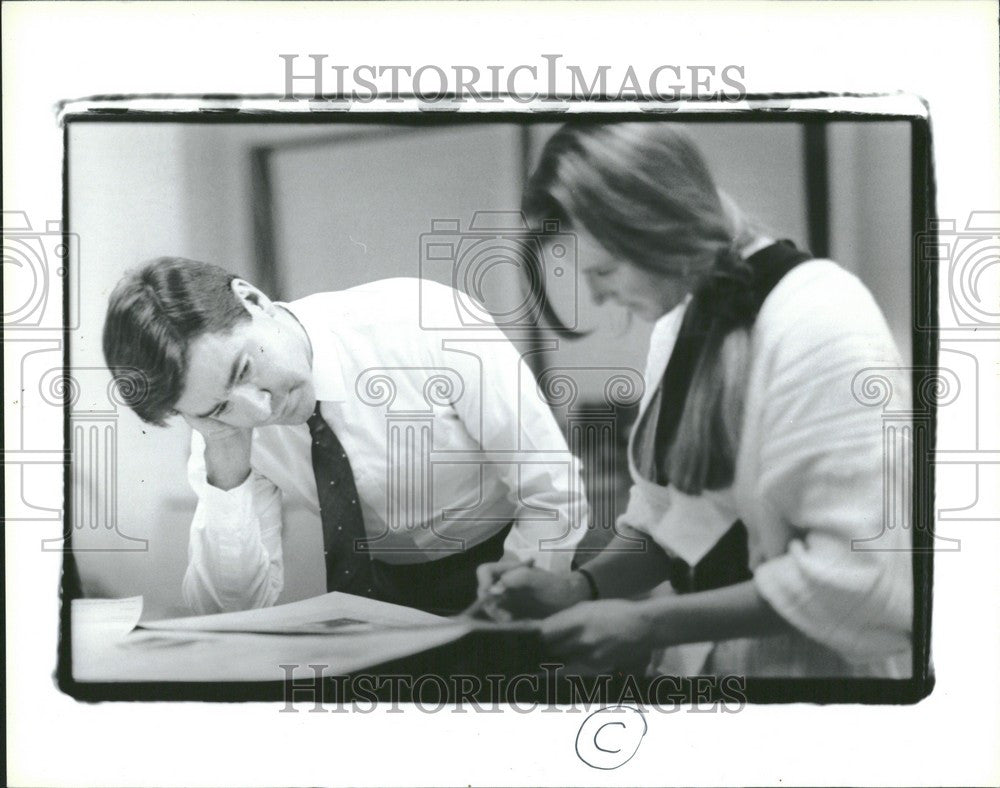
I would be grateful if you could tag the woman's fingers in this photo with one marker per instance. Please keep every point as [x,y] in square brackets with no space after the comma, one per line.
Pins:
[487,576]
[566,636]
[517,580]
[562,628]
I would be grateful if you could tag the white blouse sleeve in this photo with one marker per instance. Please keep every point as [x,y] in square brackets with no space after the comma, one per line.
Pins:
[820,480]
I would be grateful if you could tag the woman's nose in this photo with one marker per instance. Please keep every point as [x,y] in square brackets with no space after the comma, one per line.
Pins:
[598,292]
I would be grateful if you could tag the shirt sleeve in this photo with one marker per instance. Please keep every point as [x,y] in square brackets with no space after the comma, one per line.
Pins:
[551,504]
[821,460]
[501,405]
[234,552]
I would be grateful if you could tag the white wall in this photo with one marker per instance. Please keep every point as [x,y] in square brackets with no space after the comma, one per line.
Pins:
[870,209]
[128,203]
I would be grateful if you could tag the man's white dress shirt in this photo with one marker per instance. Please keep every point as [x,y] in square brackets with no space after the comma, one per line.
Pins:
[447,434]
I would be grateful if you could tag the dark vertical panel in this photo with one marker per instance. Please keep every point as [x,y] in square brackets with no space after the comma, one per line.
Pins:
[924,284]
[265,270]
[524,131]
[817,167]
[537,359]
[70,586]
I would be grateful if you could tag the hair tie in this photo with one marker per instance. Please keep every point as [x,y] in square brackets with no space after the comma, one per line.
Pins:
[727,292]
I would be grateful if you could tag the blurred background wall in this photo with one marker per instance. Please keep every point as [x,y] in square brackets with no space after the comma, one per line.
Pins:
[305,208]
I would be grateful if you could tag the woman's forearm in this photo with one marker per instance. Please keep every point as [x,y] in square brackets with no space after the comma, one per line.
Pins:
[630,564]
[736,611]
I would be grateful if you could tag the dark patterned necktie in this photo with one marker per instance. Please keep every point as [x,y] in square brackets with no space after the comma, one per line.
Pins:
[348,567]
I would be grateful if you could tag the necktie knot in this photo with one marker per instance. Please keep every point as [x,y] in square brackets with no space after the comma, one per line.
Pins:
[317,424]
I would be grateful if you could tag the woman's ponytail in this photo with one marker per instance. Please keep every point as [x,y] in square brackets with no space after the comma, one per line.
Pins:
[702,454]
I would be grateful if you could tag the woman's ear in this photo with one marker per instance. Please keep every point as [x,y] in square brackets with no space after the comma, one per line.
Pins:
[253,300]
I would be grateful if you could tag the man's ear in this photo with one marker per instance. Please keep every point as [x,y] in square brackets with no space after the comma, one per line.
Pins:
[253,300]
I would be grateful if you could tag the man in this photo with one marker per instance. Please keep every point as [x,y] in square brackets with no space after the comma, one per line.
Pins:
[421,454]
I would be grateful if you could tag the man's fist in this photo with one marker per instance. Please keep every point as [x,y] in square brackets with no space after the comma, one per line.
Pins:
[213,429]
[227,451]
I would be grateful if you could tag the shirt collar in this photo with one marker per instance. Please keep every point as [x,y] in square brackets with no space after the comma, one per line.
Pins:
[327,369]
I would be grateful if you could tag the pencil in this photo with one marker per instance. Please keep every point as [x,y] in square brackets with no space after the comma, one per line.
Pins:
[496,590]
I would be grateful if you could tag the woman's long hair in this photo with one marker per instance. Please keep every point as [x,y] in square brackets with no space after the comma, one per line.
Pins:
[644,192]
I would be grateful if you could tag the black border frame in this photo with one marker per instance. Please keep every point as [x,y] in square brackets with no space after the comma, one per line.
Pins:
[478,652]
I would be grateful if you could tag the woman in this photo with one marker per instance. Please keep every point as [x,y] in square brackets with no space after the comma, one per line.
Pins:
[755,471]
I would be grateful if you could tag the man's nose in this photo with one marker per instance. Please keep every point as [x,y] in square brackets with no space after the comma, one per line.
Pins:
[254,402]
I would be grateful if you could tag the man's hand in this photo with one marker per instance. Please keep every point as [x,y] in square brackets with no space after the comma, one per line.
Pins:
[227,451]
[525,592]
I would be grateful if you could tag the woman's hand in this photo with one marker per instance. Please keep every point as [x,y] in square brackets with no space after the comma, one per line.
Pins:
[525,592]
[604,634]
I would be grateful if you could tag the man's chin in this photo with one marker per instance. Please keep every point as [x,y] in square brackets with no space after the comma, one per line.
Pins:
[298,408]
[292,419]
[302,413]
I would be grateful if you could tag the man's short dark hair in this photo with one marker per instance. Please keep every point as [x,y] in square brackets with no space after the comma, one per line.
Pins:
[154,315]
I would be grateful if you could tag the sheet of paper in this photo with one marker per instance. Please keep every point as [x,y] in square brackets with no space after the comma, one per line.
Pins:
[172,655]
[107,646]
[115,617]
[339,632]
[333,613]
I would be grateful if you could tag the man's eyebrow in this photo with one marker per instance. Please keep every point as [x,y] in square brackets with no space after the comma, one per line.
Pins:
[233,372]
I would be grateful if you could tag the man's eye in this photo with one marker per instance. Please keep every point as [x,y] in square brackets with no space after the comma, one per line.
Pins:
[245,371]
